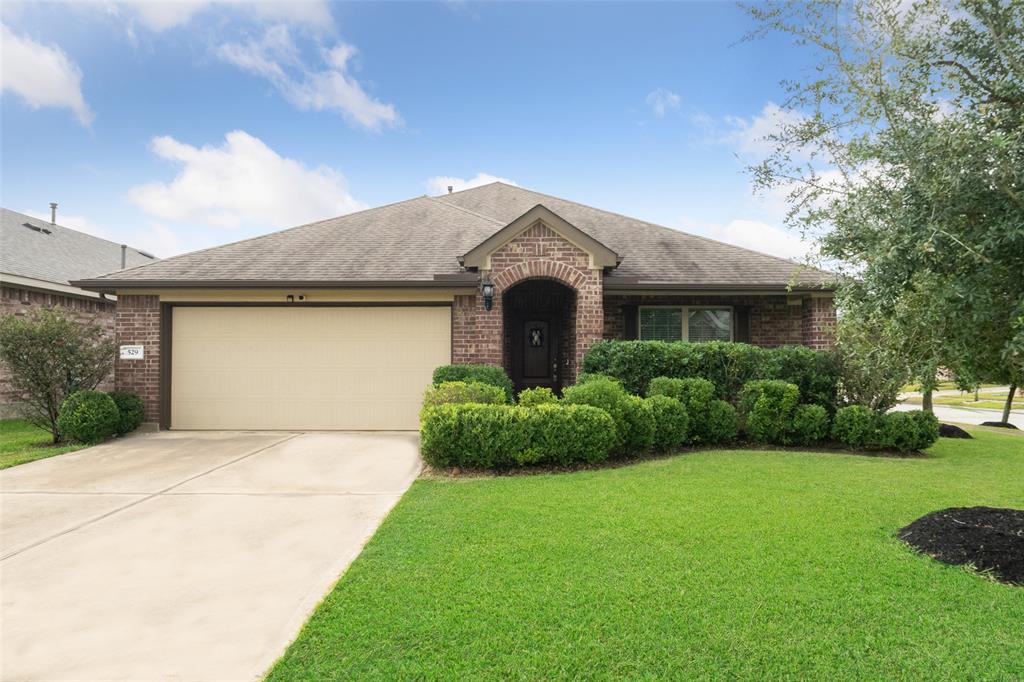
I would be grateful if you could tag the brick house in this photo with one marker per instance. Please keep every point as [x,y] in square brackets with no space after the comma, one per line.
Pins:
[38,260]
[338,324]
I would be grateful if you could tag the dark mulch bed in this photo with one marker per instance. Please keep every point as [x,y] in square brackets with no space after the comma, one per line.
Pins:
[952,431]
[1001,425]
[989,538]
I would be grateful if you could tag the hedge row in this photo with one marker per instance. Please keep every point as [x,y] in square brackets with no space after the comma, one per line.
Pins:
[94,416]
[729,366]
[863,429]
[484,374]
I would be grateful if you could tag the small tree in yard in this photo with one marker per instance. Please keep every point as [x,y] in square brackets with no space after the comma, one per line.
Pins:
[903,155]
[50,356]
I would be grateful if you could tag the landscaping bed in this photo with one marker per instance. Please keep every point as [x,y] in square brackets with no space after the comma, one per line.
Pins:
[990,540]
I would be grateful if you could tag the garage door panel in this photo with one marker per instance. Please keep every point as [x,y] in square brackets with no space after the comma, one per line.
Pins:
[304,368]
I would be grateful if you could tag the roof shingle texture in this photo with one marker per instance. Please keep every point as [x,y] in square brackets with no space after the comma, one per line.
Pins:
[62,256]
[417,239]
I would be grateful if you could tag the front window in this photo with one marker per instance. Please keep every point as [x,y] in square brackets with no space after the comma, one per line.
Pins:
[689,323]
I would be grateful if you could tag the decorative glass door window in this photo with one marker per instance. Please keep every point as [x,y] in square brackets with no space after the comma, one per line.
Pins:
[685,323]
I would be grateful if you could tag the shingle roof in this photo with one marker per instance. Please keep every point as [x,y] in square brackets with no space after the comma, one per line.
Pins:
[54,253]
[419,239]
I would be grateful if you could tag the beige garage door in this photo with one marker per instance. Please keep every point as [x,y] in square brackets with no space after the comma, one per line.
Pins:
[304,368]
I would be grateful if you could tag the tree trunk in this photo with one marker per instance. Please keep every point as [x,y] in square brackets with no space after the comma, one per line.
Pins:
[1009,403]
[926,400]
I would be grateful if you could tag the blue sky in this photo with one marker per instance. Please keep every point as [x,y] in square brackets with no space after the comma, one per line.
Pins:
[177,126]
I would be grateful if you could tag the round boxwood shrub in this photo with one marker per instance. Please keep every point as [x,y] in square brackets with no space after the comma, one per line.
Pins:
[486,374]
[131,411]
[475,435]
[88,417]
[857,427]
[810,424]
[695,394]
[671,422]
[541,395]
[766,410]
[567,434]
[719,423]
[908,431]
[634,424]
[453,392]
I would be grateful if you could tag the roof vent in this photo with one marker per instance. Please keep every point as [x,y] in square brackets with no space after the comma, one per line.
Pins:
[53,212]
[450,189]
[36,228]
[143,253]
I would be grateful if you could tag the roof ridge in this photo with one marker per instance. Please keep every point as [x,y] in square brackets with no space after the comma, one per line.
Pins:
[662,227]
[441,200]
[262,236]
[71,229]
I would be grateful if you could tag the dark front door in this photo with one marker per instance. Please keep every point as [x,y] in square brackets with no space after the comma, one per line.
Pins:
[536,361]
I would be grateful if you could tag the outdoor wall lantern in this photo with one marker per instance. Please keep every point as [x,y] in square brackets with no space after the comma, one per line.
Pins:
[487,289]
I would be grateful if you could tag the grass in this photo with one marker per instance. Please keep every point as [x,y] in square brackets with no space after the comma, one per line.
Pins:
[21,442]
[991,401]
[716,564]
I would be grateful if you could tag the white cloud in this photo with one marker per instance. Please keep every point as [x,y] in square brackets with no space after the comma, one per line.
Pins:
[439,184]
[242,182]
[332,87]
[161,15]
[752,137]
[754,235]
[661,101]
[41,74]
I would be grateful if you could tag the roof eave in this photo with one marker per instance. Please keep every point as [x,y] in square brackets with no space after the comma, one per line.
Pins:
[439,282]
[635,285]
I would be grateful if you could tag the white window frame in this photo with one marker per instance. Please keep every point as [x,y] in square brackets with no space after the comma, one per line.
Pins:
[686,318]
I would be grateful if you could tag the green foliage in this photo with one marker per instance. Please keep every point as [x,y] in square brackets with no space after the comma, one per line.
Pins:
[728,366]
[475,435]
[449,392]
[634,424]
[719,424]
[486,374]
[49,356]
[586,377]
[541,395]
[766,410]
[502,436]
[810,425]
[130,409]
[904,150]
[88,417]
[671,422]
[567,434]
[696,395]
[871,363]
[908,431]
[857,427]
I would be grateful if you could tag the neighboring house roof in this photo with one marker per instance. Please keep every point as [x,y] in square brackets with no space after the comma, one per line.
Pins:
[419,241]
[40,254]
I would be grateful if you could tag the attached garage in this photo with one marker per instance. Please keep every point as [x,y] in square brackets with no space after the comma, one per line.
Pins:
[303,367]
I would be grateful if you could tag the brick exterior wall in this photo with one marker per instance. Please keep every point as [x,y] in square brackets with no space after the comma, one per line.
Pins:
[537,253]
[20,301]
[138,323]
[774,321]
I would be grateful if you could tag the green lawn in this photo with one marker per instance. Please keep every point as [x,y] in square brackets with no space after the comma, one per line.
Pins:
[21,442]
[990,401]
[713,564]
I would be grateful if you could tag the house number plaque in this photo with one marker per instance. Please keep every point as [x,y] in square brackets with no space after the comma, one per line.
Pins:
[132,352]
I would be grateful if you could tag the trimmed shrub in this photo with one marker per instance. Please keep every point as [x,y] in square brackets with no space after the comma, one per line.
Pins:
[131,412]
[634,425]
[908,431]
[587,377]
[475,435]
[565,434]
[696,396]
[857,427]
[531,397]
[766,410]
[671,422]
[485,374]
[810,424]
[719,423]
[727,365]
[453,392]
[88,417]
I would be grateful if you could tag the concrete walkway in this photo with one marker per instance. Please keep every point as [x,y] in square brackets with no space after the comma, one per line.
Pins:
[967,415]
[184,555]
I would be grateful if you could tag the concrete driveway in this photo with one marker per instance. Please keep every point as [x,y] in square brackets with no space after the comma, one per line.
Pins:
[184,555]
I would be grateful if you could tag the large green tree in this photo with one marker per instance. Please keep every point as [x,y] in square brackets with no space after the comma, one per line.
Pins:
[903,156]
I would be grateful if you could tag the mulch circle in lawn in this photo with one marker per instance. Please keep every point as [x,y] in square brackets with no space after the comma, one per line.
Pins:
[952,431]
[1001,425]
[990,538]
